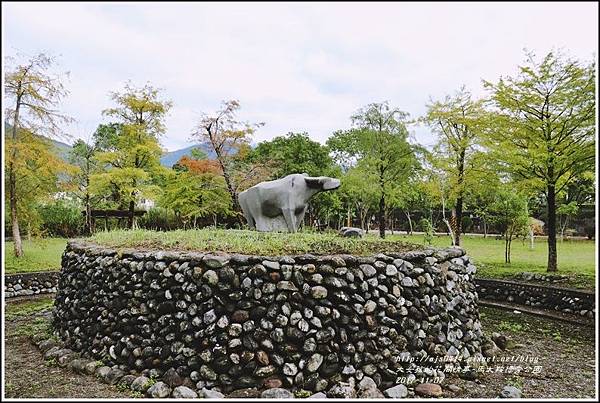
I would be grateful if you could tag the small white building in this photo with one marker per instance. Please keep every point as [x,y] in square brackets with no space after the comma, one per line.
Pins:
[145,204]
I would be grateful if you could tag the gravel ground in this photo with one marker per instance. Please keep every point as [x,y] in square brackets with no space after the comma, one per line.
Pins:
[565,352]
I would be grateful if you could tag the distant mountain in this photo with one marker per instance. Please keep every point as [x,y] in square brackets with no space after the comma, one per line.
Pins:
[170,158]
[61,149]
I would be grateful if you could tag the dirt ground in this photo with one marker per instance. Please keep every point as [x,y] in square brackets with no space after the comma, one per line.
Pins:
[565,352]
[28,375]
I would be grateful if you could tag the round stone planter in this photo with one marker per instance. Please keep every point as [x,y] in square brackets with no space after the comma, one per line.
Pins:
[237,321]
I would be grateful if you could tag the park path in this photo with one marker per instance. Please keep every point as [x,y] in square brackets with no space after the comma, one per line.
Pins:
[27,375]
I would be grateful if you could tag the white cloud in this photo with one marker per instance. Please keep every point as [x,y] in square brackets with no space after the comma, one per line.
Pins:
[294,66]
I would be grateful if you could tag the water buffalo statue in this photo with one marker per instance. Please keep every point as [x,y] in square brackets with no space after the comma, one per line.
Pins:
[279,205]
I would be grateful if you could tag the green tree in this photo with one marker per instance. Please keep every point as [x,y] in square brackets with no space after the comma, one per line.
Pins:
[32,95]
[410,197]
[564,212]
[83,157]
[509,213]
[457,120]
[294,153]
[545,127]
[198,154]
[378,143]
[60,218]
[483,182]
[193,196]
[106,136]
[131,149]
[358,192]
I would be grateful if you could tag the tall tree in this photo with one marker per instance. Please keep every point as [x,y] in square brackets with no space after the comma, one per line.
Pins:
[230,139]
[457,120]
[545,129]
[33,95]
[132,150]
[83,156]
[37,171]
[378,143]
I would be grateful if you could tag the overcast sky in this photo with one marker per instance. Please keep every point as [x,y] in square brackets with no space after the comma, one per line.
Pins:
[296,67]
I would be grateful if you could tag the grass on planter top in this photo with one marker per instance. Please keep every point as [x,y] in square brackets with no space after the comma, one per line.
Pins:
[250,242]
[39,255]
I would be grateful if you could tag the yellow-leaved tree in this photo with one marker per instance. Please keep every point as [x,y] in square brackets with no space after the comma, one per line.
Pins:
[33,94]
[131,149]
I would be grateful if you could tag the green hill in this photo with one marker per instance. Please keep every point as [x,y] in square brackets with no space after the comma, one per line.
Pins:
[168,159]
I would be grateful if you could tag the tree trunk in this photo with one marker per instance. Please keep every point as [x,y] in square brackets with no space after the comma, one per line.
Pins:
[382,216]
[551,196]
[228,183]
[87,229]
[458,210]
[410,227]
[16,233]
[348,219]
[531,238]
[457,213]
[130,219]
[484,229]
[450,231]
[361,216]
[563,227]
[12,187]
[381,202]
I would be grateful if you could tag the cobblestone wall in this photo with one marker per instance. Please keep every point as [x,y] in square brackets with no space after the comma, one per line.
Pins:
[236,321]
[16,285]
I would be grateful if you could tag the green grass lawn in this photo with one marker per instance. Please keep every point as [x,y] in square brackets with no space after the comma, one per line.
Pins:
[27,307]
[40,255]
[574,257]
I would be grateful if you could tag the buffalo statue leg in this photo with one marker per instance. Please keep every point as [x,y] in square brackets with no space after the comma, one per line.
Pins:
[290,219]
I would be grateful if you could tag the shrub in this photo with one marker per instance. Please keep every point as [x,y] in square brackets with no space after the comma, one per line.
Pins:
[427,229]
[61,219]
[159,219]
[466,224]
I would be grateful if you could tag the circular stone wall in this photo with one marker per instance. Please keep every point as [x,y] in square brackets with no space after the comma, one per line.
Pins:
[234,321]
